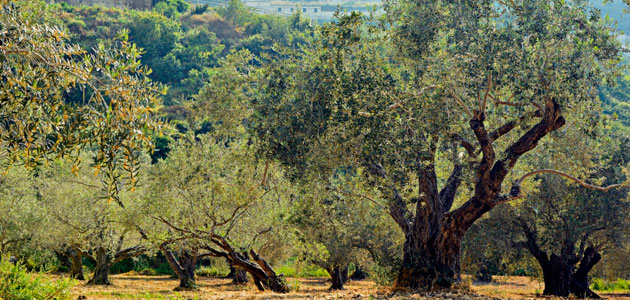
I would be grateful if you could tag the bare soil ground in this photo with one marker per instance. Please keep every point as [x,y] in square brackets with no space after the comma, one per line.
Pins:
[129,286]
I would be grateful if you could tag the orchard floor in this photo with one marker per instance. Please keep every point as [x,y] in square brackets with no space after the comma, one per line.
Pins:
[161,287]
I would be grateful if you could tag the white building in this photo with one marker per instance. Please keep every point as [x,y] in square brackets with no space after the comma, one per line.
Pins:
[283,8]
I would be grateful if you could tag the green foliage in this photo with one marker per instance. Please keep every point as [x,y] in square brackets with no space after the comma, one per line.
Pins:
[394,103]
[171,8]
[616,101]
[92,224]
[19,213]
[610,286]
[118,100]
[169,52]
[558,216]
[16,283]
[295,268]
[180,45]
[336,224]
[213,271]
[487,251]
[351,111]
[235,12]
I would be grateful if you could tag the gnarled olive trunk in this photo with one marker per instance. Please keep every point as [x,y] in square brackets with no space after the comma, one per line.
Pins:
[559,271]
[265,278]
[428,265]
[63,259]
[557,276]
[73,260]
[184,268]
[433,234]
[76,265]
[358,274]
[338,276]
[103,261]
[580,284]
[562,279]
[238,275]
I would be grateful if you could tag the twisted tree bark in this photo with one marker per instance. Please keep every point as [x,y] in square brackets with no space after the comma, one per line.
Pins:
[184,267]
[433,235]
[103,261]
[559,271]
[338,276]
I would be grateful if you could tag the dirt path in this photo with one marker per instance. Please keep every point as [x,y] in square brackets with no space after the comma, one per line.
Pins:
[161,287]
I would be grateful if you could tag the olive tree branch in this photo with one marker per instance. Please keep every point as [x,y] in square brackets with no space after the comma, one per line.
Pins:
[625,184]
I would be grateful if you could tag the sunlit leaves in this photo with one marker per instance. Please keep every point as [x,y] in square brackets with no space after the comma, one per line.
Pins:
[116,115]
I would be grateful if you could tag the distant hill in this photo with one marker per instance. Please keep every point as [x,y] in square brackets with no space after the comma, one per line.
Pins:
[616,101]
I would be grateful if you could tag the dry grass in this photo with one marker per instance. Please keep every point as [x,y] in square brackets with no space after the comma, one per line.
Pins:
[161,287]
[514,287]
[521,287]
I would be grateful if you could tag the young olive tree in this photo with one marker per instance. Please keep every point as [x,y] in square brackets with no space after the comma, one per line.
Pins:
[327,217]
[473,87]
[211,192]
[20,214]
[80,222]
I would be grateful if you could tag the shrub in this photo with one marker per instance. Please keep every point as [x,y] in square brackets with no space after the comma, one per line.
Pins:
[212,271]
[605,285]
[291,269]
[164,269]
[16,283]
[200,9]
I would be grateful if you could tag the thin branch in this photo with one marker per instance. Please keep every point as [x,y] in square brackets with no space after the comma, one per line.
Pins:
[85,184]
[461,103]
[169,224]
[258,234]
[482,103]
[466,144]
[264,179]
[366,197]
[625,184]
[507,127]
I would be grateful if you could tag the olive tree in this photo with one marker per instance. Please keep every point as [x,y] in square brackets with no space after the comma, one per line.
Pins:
[80,222]
[561,223]
[469,89]
[567,227]
[335,228]
[19,212]
[213,195]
